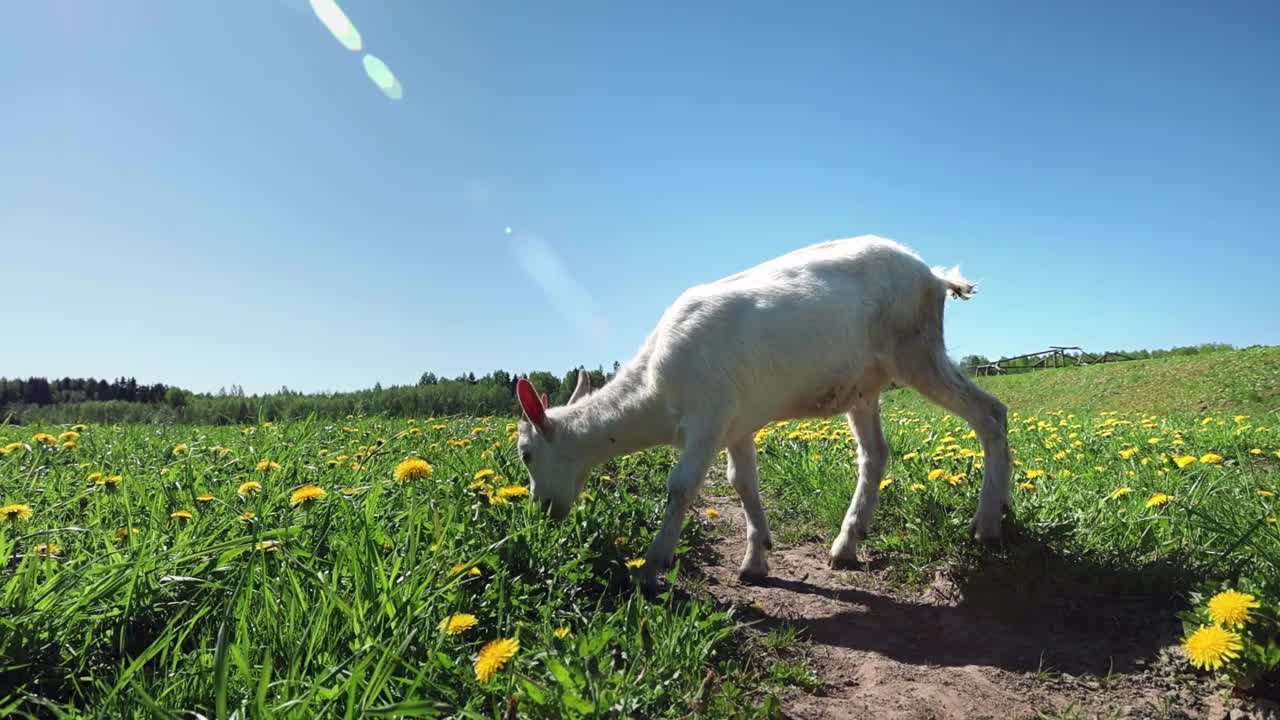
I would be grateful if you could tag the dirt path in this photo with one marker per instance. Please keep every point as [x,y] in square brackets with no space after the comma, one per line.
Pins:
[995,654]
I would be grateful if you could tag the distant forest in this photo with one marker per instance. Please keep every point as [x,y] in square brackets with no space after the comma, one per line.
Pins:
[68,400]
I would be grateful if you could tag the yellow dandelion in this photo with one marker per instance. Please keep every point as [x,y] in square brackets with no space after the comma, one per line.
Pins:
[250,487]
[1128,453]
[1210,647]
[458,623]
[1027,487]
[247,517]
[498,500]
[267,546]
[1119,493]
[1210,458]
[560,632]
[206,498]
[70,445]
[1033,474]
[1240,418]
[108,481]
[179,450]
[94,477]
[306,494]
[1158,499]
[1265,493]
[15,512]
[180,514]
[1231,608]
[44,438]
[917,487]
[1184,460]
[635,562]
[268,465]
[493,656]
[886,483]
[1255,451]
[413,469]
[47,549]
[513,491]
[936,473]
[911,456]
[352,491]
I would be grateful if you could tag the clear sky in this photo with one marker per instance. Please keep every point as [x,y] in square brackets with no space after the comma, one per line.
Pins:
[206,193]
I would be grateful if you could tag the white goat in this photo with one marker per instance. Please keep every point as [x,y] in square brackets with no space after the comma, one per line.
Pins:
[814,333]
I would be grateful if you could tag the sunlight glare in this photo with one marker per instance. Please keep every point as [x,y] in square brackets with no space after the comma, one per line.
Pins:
[336,20]
[382,76]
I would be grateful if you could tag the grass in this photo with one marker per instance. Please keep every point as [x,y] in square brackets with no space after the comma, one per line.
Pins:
[1235,381]
[333,608]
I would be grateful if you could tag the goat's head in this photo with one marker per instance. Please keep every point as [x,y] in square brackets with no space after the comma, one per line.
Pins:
[557,473]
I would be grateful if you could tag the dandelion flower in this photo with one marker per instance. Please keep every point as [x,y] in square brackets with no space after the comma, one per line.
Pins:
[493,656]
[268,465]
[180,450]
[15,512]
[1265,493]
[635,562]
[1033,474]
[498,500]
[1184,460]
[911,456]
[70,445]
[108,481]
[457,623]
[306,494]
[1210,647]
[936,473]
[267,546]
[886,483]
[917,487]
[1210,458]
[250,487]
[180,515]
[205,498]
[47,549]
[1255,451]
[1231,608]
[713,513]
[1128,453]
[1158,499]
[560,632]
[352,491]
[246,517]
[413,469]
[1119,493]
[513,491]
[1028,487]
[482,474]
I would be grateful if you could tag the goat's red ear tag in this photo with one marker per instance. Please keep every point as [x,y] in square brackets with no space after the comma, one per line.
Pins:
[529,403]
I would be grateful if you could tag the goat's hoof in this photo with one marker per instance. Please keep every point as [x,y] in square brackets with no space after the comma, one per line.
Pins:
[753,576]
[842,563]
[985,535]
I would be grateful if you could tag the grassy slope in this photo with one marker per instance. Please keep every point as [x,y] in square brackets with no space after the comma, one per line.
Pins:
[1240,381]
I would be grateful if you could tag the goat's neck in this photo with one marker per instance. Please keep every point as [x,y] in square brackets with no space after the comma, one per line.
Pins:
[618,420]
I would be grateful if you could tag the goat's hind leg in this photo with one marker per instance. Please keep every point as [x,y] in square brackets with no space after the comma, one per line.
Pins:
[942,382]
[873,455]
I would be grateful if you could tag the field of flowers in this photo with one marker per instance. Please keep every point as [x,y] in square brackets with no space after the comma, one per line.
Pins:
[306,569]
[397,567]
[1186,503]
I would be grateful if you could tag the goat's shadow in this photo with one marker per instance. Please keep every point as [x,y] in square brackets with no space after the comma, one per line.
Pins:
[1023,608]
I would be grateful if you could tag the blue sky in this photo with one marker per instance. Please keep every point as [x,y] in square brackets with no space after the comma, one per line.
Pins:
[204,194]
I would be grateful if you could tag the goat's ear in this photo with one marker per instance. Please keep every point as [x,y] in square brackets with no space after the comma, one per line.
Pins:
[546,401]
[583,389]
[534,409]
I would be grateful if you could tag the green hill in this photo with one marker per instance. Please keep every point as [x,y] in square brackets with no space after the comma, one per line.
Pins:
[1235,381]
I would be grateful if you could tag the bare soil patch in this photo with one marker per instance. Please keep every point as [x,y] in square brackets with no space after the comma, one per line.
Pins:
[997,648]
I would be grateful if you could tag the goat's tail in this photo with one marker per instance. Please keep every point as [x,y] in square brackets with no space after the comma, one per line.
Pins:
[956,284]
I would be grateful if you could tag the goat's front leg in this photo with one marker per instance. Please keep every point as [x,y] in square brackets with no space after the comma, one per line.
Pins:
[683,485]
[745,476]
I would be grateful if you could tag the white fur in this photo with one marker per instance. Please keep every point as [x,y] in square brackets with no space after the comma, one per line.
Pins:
[814,333]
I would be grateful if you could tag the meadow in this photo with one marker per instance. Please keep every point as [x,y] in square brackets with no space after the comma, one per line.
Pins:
[396,567]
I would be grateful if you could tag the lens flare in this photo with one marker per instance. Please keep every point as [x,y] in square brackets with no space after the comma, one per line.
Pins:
[382,76]
[336,20]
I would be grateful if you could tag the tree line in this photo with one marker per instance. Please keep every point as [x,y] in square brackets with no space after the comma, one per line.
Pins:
[82,400]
